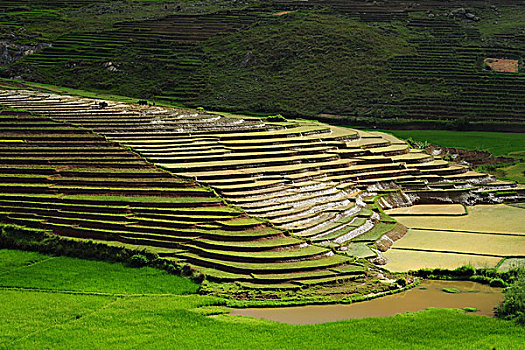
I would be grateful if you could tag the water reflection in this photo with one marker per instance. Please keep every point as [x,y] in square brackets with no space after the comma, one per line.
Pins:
[427,294]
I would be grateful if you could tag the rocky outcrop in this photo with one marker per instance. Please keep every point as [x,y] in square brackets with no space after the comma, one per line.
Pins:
[464,14]
[11,52]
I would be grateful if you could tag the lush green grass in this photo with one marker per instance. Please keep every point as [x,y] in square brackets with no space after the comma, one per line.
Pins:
[514,172]
[159,322]
[61,320]
[34,270]
[26,313]
[498,143]
[13,259]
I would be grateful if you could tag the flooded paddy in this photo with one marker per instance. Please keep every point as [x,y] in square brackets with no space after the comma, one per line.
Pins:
[481,239]
[429,294]
[499,218]
[463,242]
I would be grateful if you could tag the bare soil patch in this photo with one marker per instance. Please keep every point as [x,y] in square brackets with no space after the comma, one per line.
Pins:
[282,13]
[502,64]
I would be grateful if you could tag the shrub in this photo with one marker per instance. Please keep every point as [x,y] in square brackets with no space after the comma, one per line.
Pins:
[465,271]
[401,281]
[497,282]
[276,118]
[20,233]
[138,260]
[513,307]
[480,279]
[460,124]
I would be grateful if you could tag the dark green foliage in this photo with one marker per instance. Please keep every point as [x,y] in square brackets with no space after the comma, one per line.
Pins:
[513,307]
[483,275]
[460,124]
[401,281]
[15,232]
[466,270]
[408,72]
[138,260]
[301,64]
[470,309]
[17,237]
[497,282]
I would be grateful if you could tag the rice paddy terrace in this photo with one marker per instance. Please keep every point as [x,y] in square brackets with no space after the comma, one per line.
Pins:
[322,188]
[449,236]
[77,184]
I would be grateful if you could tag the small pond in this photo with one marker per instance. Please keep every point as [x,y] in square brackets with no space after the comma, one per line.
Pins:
[427,294]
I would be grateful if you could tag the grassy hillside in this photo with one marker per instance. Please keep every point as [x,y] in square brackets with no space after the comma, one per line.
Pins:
[497,143]
[302,63]
[385,64]
[99,318]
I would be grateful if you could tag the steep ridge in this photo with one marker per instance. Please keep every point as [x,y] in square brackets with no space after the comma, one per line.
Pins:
[326,185]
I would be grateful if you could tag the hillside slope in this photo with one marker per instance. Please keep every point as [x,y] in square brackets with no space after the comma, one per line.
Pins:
[425,65]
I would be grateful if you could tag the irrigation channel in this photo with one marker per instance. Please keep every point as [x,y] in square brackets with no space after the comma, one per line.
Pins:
[429,294]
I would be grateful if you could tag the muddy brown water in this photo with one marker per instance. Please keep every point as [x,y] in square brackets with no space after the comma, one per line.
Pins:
[428,294]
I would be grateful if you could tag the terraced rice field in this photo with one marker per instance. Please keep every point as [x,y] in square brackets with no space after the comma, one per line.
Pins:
[499,218]
[325,185]
[488,234]
[74,183]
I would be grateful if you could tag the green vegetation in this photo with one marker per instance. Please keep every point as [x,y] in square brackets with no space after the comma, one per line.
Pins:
[334,62]
[490,276]
[451,290]
[402,69]
[49,21]
[497,143]
[509,20]
[97,319]
[470,309]
[37,271]
[513,172]
[513,307]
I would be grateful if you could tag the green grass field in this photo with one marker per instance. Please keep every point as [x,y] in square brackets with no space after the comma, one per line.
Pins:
[110,315]
[498,143]
[34,270]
